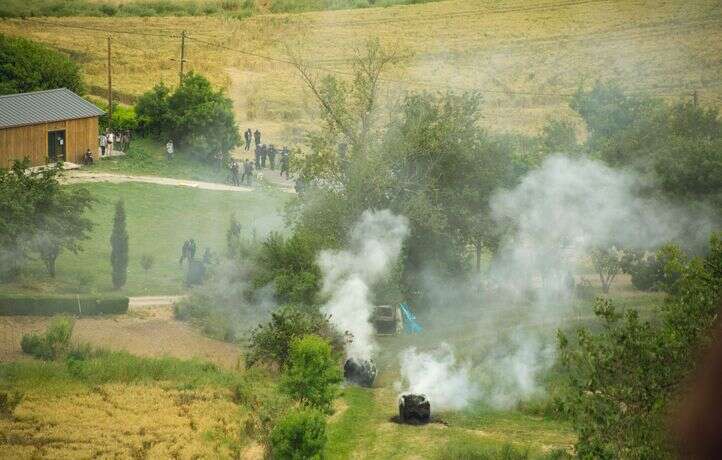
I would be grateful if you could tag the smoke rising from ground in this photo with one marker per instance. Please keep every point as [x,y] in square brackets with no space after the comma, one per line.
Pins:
[375,244]
[553,218]
[436,374]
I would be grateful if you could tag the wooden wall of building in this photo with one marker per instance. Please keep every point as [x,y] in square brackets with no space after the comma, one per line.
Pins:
[32,141]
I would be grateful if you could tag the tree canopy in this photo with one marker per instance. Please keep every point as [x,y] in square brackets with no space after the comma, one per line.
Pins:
[27,66]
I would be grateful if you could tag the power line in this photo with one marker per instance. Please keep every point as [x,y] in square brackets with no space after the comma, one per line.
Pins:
[96,29]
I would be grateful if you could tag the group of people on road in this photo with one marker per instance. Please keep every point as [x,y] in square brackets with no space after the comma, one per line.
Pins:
[269,152]
[111,141]
[246,176]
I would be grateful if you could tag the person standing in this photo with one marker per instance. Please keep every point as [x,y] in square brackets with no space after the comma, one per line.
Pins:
[264,155]
[258,157]
[234,173]
[257,137]
[169,150]
[111,139]
[250,172]
[247,136]
[284,161]
[272,156]
[127,139]
[103,144]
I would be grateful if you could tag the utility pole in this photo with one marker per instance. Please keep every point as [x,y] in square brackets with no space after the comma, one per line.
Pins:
[110,88]
[183,55]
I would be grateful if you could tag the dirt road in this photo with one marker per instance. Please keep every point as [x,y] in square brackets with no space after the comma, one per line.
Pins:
[76,176]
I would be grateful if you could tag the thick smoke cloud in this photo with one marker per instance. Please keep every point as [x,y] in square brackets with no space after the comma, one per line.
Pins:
[436,374]
[375,244]
[552,219]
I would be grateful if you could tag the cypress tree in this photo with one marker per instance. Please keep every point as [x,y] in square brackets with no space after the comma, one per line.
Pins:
[119,247]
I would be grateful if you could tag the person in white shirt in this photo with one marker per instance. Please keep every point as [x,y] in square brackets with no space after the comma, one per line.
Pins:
[103,144]
[169,150]
[111,139]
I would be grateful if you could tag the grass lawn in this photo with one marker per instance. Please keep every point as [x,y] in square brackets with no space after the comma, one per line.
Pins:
[159,220]
[363,428]
[146,157]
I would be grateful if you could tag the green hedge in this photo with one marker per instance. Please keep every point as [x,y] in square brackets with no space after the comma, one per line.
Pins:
[39,304]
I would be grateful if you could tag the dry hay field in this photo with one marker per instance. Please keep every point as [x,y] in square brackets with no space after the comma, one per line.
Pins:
[524,56]
[149,331]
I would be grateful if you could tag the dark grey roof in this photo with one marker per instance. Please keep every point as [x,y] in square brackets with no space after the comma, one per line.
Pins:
[44,107]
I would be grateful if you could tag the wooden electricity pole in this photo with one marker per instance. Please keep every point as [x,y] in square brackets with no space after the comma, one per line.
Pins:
[695,98]
[110,88]
[183,55]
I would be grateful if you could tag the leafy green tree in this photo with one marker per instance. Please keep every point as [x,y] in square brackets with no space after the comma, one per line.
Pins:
[27,66]
[607,262]
[559,136]
[312,374]
[119,247]
[290,264]
[37,215]
[624,377]
[197,118]
[271,342]
[300,435]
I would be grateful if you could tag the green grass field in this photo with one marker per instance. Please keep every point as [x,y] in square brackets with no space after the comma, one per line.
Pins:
[159,219]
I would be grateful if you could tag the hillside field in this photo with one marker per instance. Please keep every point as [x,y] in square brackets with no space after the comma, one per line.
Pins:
[525,57]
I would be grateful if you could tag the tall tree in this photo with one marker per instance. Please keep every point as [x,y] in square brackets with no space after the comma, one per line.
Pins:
[37,215]
[119,247]
[27,66]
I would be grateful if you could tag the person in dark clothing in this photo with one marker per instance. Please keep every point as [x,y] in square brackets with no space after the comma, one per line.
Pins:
[249,177]
[87,158]
[257,137]
[272,156]
[247,136]
[258,157]
[284,161]
[234,173]
[185,251]
[264,154]
[192,250]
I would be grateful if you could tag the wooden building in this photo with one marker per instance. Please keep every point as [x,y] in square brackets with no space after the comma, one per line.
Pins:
[47,126]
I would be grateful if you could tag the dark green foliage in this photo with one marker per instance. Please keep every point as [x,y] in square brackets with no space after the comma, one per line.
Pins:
[53,343]
[300,435]
[290,264]
[8,402]
[124,117]
[27,66]
[197,118]
[45,304]
[312,374]
[119,247]
[679,145]
[652,272]
[271,342]
[39,216]
[624,377]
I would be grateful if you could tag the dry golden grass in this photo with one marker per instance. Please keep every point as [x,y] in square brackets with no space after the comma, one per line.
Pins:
[124,421]
[523,55]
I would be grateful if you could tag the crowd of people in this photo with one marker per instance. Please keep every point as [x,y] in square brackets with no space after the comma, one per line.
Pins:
[112,141]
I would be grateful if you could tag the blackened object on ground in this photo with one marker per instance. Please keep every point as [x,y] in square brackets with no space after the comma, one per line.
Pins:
[414,409]
[360,372]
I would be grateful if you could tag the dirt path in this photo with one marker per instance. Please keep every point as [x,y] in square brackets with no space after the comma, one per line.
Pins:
[148,329]
[76,176]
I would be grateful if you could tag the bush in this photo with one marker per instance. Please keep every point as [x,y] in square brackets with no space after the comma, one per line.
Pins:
[300,435]
[312,375]
[8,402]
[28,66]
[290,265]
[271,342]
[464,449]
[52,344]
[45,305]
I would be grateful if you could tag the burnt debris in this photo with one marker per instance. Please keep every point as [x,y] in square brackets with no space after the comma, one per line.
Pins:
[414,409]
[359,372]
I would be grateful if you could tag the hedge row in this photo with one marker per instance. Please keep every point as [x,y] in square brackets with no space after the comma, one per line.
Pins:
[42,305]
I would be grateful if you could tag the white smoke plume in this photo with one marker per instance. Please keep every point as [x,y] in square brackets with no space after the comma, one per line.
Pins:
[375,244]
[437,375]
[553,218]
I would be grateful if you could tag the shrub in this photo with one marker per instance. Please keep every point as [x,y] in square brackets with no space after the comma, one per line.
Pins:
[271,342]
[300,435]
[312,375]
[8,402]
[44,305]
[119,247]
[28,66]
[52,344]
